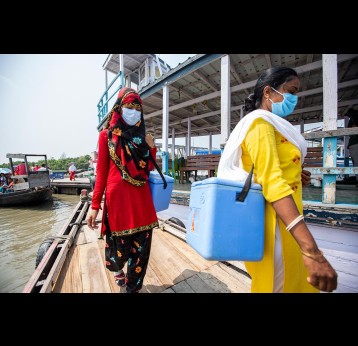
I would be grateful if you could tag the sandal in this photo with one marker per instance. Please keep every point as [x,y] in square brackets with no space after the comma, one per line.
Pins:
[120,279]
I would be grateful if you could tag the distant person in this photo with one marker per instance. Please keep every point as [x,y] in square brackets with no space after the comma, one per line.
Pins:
[3,183]
[43,167]
[3,180]
[36,168]
[10,187]
[21,169]
[93,165]
[353,139]
[123,169]
[19,180]
[266,141]
[72,170]
[8,178]
[92,178]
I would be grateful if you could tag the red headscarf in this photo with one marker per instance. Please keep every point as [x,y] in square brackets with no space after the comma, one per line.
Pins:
[127,146]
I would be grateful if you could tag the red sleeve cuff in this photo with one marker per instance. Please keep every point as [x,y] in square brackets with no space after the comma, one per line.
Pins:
[95,207]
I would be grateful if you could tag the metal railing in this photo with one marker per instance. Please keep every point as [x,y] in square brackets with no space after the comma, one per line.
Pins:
[102,105]
[329,169]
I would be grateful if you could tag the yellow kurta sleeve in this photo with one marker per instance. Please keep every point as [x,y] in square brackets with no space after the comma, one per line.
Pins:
[259,148]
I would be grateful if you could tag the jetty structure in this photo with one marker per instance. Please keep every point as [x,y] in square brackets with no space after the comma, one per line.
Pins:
[204,96]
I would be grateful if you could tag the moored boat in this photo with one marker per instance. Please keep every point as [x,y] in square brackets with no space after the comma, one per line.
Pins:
[34,188]
[25,197]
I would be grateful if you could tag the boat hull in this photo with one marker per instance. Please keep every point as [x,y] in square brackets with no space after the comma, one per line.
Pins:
[25,197]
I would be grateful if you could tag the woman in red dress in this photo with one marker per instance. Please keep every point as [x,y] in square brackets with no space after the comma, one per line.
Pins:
[123,167]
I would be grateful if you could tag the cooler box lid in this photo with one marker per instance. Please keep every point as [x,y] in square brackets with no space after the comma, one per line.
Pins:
[226,182]
[155,178]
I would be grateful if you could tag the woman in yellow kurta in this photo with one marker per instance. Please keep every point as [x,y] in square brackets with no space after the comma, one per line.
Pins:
[292,261]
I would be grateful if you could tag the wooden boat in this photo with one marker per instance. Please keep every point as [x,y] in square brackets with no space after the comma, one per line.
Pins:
[35,189]
[25,197]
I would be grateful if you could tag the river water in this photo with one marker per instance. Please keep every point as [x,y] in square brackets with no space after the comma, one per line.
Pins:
[22,230]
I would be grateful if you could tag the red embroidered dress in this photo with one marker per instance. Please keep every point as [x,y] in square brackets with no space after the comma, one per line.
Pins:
[122,172]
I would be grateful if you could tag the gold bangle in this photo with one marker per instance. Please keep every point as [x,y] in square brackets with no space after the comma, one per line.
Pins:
[314,257]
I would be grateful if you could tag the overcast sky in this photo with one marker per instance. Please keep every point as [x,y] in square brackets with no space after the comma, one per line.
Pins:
[48,102]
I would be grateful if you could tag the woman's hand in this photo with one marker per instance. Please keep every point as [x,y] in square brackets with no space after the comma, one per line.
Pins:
[321,274]
[305,177]
[91,219]
[149,138]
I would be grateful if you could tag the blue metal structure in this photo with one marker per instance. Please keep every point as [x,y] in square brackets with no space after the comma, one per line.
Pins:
[102,105]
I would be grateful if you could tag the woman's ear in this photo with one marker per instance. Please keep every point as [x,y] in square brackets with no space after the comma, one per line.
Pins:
[267,92]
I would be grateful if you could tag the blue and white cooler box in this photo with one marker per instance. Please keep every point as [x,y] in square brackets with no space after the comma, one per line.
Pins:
[161,196]
[222,228]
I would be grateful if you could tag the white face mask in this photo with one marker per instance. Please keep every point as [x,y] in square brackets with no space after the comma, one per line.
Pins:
[130,116]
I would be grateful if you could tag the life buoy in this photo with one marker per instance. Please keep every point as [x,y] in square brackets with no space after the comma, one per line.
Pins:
[45,245]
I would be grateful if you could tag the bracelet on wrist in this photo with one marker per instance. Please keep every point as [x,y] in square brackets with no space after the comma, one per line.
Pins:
[295,222]
[315,257]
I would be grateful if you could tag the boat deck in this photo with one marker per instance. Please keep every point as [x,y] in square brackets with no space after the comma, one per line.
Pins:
[174,267]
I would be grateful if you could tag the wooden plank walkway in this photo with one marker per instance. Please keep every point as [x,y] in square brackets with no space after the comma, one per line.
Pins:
[340,246]
[174,267]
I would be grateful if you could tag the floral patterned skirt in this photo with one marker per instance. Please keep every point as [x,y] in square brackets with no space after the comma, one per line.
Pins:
[132,249]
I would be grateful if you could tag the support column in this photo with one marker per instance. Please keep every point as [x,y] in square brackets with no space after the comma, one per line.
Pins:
[188,146]
[346,150]
[225,100]
[105,109]
[330,110]
[241,112]
[146,71]
[210,142]
[165,128]
[121,69]
[173,153]
[302,126]
[129,81]
[173,144]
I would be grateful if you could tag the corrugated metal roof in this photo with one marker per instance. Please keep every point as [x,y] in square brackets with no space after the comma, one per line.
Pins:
[195,78]
[244,68]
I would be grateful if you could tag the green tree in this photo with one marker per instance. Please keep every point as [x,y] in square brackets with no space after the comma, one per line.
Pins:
[62,164]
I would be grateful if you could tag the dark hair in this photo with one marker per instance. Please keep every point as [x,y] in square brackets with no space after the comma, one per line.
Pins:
[352,113]
[273,77]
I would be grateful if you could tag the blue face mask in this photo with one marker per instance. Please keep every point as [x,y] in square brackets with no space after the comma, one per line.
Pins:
[286,106]
[131,116]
